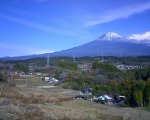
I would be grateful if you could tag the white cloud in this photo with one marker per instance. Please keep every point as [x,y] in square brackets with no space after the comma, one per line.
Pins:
[140,37]
[39,26]
[123,12]
[39,51]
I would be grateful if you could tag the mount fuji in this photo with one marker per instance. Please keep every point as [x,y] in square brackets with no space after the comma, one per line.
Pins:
[109,44]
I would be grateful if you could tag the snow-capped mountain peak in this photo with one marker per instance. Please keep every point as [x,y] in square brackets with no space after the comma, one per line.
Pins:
[109,36]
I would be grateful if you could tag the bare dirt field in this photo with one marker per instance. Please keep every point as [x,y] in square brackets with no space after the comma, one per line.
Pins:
[31,103]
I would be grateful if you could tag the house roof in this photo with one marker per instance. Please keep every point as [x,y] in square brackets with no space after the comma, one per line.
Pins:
[107,97]
[101,97]
[86,90]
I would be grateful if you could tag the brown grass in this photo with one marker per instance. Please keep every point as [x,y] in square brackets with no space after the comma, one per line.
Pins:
[40,104]
[19,102]
[15,94]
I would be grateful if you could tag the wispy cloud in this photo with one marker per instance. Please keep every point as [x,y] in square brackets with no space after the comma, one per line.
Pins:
[36,25]
[140,37]
[35,1]
[17,50]
[40,1]
[119,13]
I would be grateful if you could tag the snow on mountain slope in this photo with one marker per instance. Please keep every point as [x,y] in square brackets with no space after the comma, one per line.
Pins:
[110,36]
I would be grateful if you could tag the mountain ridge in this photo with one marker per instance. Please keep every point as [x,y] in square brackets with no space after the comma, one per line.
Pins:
[112,44]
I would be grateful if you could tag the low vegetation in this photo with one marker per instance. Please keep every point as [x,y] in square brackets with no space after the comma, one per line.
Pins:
[28,101]
[42,104]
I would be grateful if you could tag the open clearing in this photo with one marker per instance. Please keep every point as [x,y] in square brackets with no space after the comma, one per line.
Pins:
[57,103]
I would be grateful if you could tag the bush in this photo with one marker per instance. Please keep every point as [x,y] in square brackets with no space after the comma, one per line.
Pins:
[123,105]
[1,78]
[147,108]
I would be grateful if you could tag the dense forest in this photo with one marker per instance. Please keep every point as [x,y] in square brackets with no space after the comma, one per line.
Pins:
[106,78]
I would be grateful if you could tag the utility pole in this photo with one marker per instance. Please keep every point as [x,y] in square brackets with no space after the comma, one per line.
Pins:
[120,53]
[74,57]
[10,70]
[26,82]
[3,72]
[47,59]
[102,57]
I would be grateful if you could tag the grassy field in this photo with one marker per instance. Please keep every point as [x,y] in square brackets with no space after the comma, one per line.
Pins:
[31,103]
[31,81]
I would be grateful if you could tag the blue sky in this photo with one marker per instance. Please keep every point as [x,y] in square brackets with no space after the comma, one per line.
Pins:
[40,26]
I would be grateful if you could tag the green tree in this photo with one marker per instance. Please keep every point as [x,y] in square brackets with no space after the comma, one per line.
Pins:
[134,91]
[139,92]
[129,88]
[114,86]
[109,68]
[22,67]
[138,96]
[147,92]
[1,78]
[68,65]
[57,75]
[96,64]
[142,74]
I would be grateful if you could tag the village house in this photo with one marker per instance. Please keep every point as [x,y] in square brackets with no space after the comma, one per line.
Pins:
[84,93]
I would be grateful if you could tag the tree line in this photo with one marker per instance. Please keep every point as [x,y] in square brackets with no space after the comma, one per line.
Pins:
[106,78]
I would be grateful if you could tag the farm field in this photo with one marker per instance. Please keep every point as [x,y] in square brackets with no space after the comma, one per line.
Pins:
[30,81]
[58,104]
